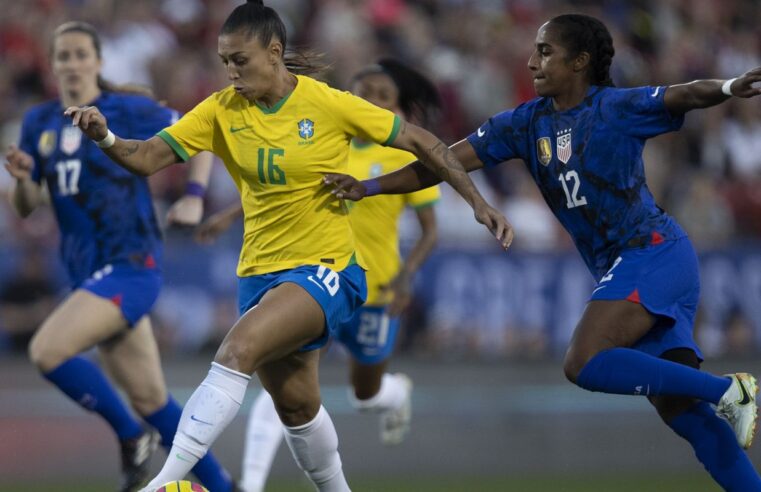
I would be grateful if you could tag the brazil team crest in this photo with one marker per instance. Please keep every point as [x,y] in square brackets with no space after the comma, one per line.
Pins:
[544,150]
[306,129]
[564,145]
[46,143]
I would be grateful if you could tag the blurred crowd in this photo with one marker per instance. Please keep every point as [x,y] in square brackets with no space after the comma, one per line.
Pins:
[708,175]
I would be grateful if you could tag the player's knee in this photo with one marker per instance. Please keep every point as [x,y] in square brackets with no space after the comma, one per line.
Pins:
[294,412]
[235,356]
[45,355]
[574,362]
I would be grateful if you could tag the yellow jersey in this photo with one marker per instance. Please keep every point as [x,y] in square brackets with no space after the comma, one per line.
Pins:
[375,219]
[277,157]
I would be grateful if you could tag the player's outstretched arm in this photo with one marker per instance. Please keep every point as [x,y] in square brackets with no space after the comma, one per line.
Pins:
[143,157]
[412,177]
[705,93]
[444,163]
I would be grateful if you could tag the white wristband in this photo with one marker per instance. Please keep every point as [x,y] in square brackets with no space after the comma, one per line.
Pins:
[108,141]
[726,87]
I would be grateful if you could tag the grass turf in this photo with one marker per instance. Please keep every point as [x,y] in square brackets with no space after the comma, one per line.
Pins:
[602,483]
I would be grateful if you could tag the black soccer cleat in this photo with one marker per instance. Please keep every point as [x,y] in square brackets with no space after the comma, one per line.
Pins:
[136,460]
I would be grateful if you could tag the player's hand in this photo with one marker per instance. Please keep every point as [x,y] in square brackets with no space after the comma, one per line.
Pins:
[89,119]
[345,186]
[213,227]
[495,222]
[19,163]
[401,287]
[186,212]
[743,85]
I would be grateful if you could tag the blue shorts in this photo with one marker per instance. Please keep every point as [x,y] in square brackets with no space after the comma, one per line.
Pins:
[664,279]
[370,336]
[133,289]
[339,294]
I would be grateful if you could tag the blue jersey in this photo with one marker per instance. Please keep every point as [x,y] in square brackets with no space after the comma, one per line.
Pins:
[587,162]
[105,213]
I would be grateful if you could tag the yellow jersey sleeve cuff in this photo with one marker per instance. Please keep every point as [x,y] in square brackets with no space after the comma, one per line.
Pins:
[166,137]
[394,130]
[429,203]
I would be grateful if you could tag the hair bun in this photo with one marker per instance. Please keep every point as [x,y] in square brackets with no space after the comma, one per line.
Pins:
[257,2]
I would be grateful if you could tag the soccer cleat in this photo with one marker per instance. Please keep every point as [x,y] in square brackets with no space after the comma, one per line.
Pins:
[136,457]
[738,407]
[395,423]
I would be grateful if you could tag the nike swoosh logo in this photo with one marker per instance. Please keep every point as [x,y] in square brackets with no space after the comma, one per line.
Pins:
[193,417]
[233,130]
[480,132]
[599,288]
[656,91]
[179,457]
[746,397]
[318,284]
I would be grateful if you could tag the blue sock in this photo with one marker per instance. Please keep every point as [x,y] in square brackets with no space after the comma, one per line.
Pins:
[626,371]
[208,471]
[716,447]
[85,383]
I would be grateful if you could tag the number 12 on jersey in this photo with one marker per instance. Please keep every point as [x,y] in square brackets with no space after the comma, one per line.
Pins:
[572,197]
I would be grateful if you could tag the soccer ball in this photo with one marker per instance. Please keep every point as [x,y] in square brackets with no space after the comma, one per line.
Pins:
[182,486]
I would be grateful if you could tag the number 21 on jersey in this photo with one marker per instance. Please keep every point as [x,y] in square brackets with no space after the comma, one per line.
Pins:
[571,182]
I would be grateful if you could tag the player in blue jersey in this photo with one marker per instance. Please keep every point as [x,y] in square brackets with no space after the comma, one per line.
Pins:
[582,141]
[111,247]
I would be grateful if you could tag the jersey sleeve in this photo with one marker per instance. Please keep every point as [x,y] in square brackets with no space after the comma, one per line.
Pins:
[148,117]
[423,198]
[495,141]
[28,144]
[639,112]
[194,131]
[359,118]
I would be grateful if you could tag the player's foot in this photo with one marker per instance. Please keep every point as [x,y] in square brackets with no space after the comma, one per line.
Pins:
[136,457]
[738,407]
[395,423]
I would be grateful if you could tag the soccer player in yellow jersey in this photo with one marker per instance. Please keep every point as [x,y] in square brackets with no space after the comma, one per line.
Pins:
[278,134]
[371,334]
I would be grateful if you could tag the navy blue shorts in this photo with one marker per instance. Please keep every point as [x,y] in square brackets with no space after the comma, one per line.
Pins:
[370,336]
[133,289]
[664,279]
[339,294]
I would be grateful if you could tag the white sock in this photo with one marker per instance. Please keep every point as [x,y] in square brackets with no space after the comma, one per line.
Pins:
[390,396]
[263,436]
[209,410]
[315,447]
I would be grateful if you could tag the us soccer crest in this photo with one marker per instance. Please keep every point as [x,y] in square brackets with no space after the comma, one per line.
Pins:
[306,128]
[564,145]
[544,150]
[71,139]
[46,143]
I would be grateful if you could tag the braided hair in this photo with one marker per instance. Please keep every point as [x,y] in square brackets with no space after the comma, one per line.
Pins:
[580,33]
[418,97]
[256,19]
